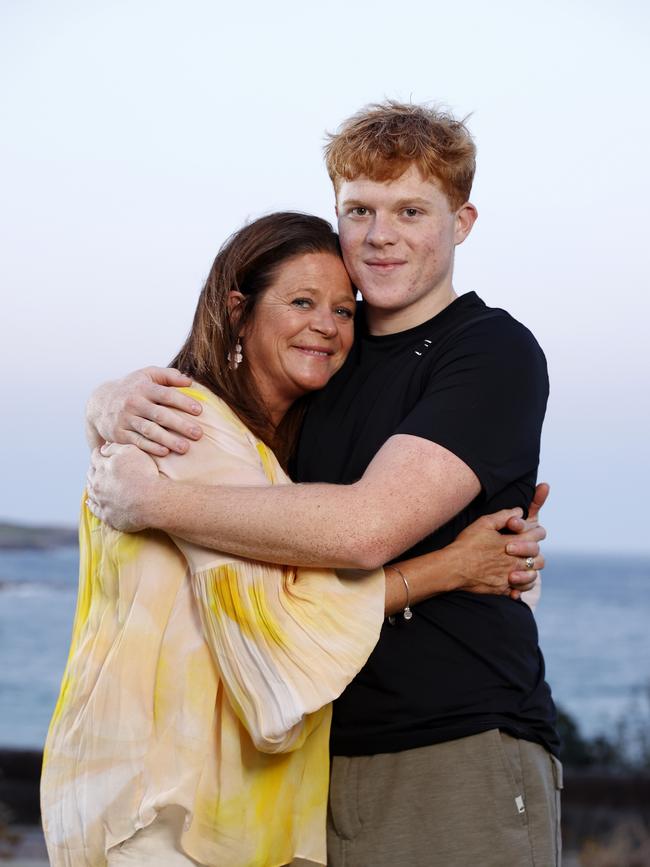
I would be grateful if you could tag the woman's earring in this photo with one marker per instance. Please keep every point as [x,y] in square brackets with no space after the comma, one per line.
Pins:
[236,358]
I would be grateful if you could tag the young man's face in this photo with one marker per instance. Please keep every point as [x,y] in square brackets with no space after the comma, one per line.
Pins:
[398,239]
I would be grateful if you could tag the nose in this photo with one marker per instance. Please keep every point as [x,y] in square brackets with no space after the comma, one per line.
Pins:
[323,321]
[381,231]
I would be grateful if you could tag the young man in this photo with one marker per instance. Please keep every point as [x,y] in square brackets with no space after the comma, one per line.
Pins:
[444,747]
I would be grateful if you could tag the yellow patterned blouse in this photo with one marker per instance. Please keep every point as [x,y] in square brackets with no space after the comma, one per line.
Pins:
[201,680]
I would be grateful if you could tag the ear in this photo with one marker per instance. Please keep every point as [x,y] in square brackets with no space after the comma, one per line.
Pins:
[465,218]
[235,301]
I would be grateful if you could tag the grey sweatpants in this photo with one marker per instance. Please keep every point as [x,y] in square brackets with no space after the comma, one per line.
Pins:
[488,800]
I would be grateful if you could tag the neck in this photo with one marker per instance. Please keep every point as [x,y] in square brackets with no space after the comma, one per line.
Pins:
[276,408]
[381,322]
[276,415]
[275,405]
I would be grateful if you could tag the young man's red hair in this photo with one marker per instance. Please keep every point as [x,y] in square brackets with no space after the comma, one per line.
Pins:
[382,140]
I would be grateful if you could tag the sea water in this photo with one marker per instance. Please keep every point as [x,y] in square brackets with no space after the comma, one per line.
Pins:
[594,624]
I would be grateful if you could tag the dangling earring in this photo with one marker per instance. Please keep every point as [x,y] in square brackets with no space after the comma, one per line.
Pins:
[235,360]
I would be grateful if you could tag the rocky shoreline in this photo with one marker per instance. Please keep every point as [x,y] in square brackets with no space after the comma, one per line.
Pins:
[23,537]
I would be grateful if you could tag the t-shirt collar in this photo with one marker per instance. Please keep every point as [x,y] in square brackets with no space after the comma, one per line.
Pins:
[450,311]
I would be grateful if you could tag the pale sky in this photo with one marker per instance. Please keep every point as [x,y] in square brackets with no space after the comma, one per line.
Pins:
[137,135]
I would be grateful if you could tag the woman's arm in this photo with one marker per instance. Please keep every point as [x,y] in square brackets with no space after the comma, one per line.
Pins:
[477,561]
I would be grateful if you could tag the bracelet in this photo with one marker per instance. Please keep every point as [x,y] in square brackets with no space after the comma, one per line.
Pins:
[407,614]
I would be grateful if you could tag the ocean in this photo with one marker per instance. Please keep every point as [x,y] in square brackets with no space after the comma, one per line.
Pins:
[594,624]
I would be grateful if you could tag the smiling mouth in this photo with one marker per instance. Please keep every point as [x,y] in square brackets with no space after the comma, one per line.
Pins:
[316,353]
[384,265]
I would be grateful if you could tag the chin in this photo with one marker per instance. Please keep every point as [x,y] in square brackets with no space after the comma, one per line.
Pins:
[314,383]
[382,296]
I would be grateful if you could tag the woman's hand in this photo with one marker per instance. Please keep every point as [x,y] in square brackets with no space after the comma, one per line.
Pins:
[121,486]
[142,410]
[481,560]
[489,562]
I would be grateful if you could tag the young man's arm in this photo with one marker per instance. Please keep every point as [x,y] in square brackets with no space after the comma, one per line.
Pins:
[411,488]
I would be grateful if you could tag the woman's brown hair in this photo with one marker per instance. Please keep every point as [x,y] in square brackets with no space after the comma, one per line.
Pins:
[248,263]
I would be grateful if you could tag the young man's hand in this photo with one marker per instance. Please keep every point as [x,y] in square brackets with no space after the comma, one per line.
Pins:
[520,526]
[485,561]
[142,410]
[517,547]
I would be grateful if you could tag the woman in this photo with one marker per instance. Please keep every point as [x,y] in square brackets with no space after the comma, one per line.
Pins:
[193,720]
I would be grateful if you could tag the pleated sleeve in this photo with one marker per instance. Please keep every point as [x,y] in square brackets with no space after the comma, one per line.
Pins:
[286,641]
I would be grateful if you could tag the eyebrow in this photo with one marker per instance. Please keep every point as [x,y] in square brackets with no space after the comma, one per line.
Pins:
[413,200]
[402,203]
[313,291]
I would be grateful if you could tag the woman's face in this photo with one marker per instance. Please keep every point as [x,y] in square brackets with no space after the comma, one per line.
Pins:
[301,331]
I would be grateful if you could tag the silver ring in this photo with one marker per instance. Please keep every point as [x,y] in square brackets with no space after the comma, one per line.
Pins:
[530,562]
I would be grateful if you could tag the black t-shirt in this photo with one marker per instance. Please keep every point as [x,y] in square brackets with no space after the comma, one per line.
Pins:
[473,380]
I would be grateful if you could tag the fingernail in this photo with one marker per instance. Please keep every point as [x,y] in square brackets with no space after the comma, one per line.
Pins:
[196,408]
[181,447]
[195,431]
[510,549]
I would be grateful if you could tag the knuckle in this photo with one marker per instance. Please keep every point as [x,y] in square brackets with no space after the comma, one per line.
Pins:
[157,392]
[130,403]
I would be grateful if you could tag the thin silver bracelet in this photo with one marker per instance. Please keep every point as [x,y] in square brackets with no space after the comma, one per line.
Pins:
[407,614]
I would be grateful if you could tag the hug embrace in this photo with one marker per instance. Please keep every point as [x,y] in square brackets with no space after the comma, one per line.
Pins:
[310,552]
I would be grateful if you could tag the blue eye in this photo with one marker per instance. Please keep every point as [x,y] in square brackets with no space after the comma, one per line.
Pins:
[411,212]
[303,303]
[345,312]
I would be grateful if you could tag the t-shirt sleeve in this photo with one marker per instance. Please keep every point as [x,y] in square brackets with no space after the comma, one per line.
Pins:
[286,641]
[485,400]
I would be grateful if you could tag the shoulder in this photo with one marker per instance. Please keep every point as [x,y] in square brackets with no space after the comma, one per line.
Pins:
[489,321]
[493,332]
[216,411]
[482,351]
[225,436]
[219,422]
[225,447]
